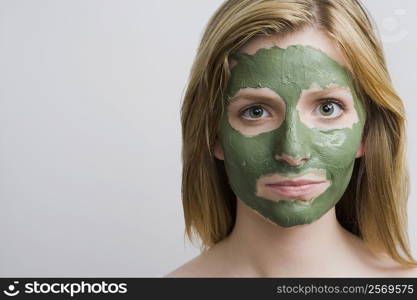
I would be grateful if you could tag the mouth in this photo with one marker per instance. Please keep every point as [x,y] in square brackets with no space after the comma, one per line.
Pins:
[296,188]
[303,189]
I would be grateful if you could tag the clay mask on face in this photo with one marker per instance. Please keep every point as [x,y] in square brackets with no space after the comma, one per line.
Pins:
[322,148]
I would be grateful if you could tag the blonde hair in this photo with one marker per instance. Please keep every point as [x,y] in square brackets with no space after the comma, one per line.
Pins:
[375,202]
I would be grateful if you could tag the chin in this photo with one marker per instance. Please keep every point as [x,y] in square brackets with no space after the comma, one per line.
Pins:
[288,219]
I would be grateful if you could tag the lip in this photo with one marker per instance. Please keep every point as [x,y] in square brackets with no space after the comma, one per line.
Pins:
[302,189]
[295,182]
[295,188]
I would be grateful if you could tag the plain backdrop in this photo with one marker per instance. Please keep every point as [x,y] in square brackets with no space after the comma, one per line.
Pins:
[90,137]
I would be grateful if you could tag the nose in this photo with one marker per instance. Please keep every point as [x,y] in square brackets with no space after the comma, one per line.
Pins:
[293,141]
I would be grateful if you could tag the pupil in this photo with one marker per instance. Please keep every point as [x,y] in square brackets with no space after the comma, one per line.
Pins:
[327,108]
[257,111]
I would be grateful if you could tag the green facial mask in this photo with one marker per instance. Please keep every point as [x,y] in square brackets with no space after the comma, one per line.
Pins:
[251,159]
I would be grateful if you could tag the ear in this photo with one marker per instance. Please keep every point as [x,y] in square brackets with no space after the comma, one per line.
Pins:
[361,150]
[218,151]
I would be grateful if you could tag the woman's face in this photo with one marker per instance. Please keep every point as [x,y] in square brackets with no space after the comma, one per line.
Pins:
[292,126]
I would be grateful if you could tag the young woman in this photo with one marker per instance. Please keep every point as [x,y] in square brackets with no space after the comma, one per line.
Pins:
[294,146]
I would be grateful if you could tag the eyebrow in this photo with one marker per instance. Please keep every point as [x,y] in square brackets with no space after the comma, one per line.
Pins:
[257,95]
[273,96]
[337,88]
[336,91]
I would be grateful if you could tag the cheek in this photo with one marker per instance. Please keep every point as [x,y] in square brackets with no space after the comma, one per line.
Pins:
[336,148]
[252,154]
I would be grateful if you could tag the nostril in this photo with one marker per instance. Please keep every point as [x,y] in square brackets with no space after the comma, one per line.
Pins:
[290,160]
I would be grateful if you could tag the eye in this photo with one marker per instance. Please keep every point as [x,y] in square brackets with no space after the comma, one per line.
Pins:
[254,112]
[330,108]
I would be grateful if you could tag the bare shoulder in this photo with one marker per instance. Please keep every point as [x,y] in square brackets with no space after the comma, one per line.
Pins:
[377,265]
[193,268]
[388,267]
[401,271]
[210,263]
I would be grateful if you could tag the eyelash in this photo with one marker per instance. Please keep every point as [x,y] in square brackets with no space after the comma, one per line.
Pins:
[250,107]
[333,100]
[339,103]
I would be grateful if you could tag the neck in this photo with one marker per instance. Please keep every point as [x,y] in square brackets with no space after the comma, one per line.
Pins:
[300,250]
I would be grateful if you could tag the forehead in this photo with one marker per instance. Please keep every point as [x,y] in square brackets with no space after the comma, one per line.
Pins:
[309,36]
[287,71]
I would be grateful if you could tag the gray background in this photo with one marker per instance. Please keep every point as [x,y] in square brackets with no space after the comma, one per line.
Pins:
[90,138]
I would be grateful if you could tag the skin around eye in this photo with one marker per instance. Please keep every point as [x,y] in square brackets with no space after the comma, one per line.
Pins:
[330,109]
[255,112]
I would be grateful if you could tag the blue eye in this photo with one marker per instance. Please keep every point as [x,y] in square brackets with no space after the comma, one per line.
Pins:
[254,112]
[330,108]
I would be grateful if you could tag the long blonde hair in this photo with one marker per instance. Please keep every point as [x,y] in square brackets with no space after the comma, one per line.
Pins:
[375,202]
